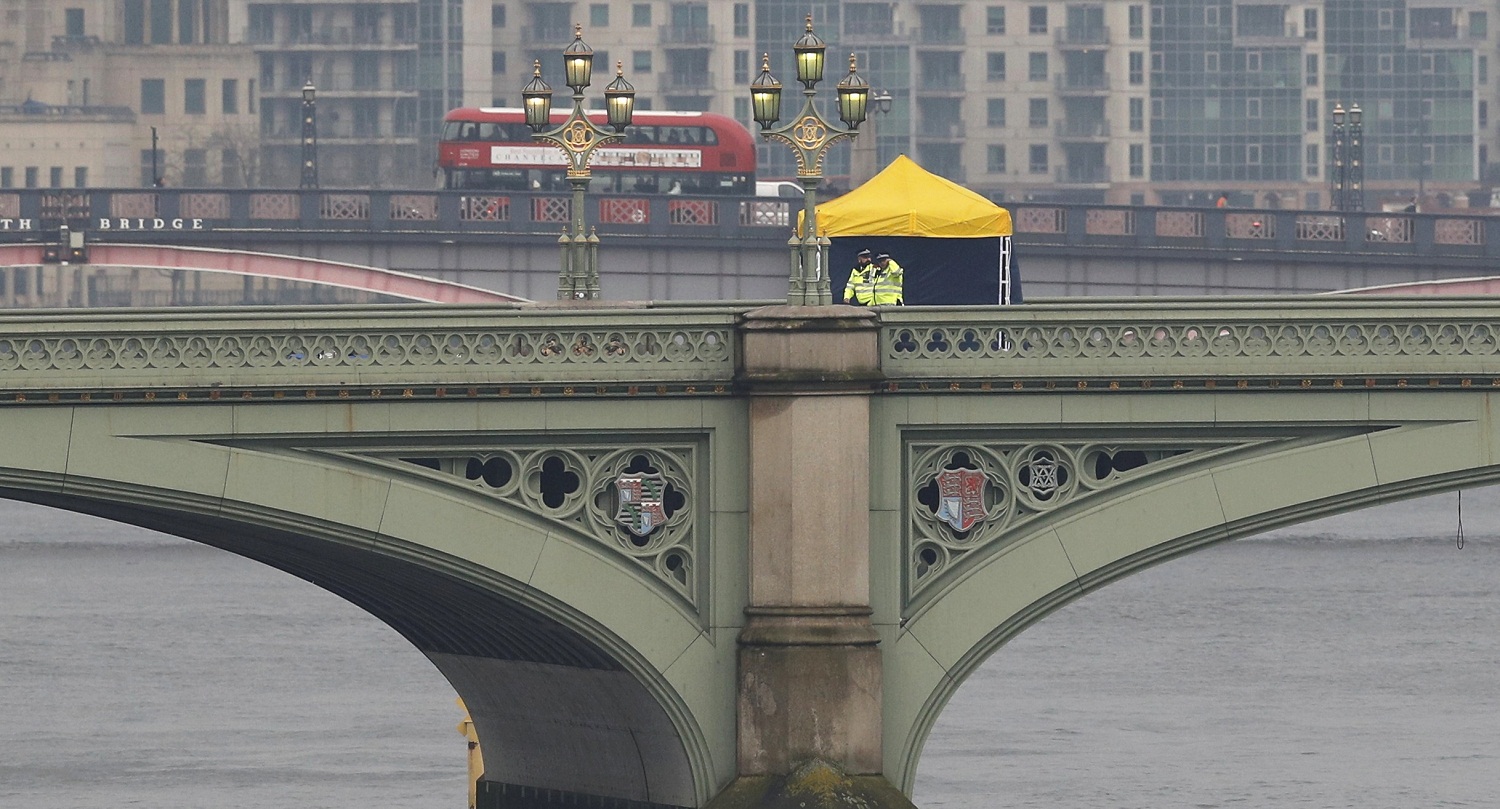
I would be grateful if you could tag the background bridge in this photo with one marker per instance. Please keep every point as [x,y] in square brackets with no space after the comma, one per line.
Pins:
[477,478]
[720,248]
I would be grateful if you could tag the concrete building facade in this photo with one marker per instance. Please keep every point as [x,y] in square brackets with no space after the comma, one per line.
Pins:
[1151,102]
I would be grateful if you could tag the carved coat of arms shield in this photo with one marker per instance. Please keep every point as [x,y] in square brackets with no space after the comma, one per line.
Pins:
[642,507]
[961,497]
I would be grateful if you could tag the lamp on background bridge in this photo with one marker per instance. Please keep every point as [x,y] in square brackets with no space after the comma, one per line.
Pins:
[865,162]
[309,135]
[1347,178]
[809,135]
[578,137]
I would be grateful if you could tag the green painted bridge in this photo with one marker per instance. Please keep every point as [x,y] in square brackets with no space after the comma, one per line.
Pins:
[669,554]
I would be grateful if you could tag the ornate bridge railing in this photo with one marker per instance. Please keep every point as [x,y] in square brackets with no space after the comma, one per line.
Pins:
[1306,341]
[1456,235]
[366,352]
[1318,342]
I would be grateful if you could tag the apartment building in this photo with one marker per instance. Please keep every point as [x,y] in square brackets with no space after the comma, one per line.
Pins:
[1123,101]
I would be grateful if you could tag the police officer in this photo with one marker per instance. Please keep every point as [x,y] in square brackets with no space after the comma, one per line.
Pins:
[889,278]
[860,290]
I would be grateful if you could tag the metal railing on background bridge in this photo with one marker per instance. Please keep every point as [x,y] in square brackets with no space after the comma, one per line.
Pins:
[1456,233]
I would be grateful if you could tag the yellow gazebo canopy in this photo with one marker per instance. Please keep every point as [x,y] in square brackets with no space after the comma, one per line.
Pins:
[905,199]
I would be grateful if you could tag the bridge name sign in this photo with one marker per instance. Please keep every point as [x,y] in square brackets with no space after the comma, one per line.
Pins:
[121,223]
[17,224]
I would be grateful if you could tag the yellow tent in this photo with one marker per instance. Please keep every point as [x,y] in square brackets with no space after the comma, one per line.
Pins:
[954,244]
[905,199]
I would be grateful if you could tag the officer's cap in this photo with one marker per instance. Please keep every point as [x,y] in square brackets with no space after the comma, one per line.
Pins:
[863,254]
[882,256]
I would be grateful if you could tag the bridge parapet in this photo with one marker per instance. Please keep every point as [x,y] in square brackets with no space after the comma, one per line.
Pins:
[1135,343]
[553,349]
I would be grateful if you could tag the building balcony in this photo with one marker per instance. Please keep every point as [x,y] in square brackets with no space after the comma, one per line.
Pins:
[697,36]
[944,36]
[1083,175]
[894,33]
[354,39]
[939,130]
[1083,130]
[544,34]
[1257,37]
[685,81]
[37,112]
[1083,36]
[942,83]
[1083,83]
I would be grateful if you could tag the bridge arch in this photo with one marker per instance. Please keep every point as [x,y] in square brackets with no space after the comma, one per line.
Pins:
[522,619]
[321,272]
[1413,451]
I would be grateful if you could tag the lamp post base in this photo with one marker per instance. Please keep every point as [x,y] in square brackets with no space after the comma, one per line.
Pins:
[812,785]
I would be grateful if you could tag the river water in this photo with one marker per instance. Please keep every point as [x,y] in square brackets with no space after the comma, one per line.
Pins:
[1351,662]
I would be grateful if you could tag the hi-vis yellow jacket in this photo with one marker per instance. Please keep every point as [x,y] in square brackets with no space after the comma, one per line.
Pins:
[872,285]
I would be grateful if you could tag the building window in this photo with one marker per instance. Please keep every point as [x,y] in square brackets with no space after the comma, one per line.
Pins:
[1158,112]
[7,176]
[640,15]
[995,112]
[54,176]
[187,22]
[640,61]
[1252,154]
[1038,113]
[1036,19]
[161,22]
[229,96]
[598,15]
[497,16]
[742,109]
[1137,66]
[994,20]
[995,159]
[1385,153]
[741,67]
[1484,113]
[1312,115]
[73,22]
[195,167]
[1479,24]
[1137,21]
[1386,18]
[153,96]
[250,96]
[1386,64]
[1211,111]
[1310,23]
[1211,154]
[742,19]
[1484,69]
[1211,62]
[32,177]
[1311,159]
[1137,160]
[1252,108]
[134,14]
[1252,61]
[1312,70]
[193,96]
[497,63]
[1137,115]
[1037,155]
[1211,16]
[1036,66]
[994,63]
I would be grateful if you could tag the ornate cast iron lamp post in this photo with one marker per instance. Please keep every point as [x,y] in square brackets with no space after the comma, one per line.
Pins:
[809,135]
[578,137]
[309,135]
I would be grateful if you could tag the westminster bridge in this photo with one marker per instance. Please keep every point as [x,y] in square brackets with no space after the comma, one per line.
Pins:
[666,554]
[720,248]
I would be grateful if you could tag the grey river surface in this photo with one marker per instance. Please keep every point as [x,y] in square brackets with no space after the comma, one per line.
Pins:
[1350,662]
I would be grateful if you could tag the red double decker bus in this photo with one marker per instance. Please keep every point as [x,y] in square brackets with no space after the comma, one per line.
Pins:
[491,148]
